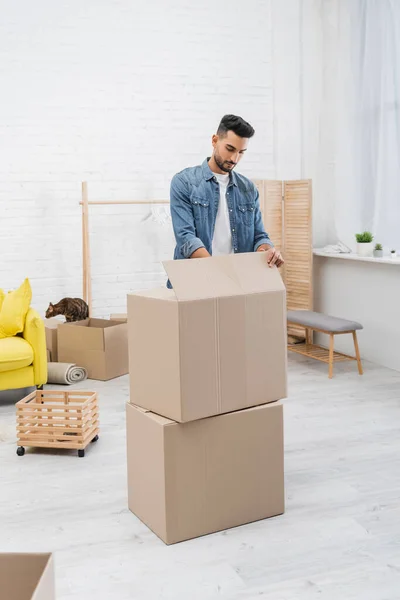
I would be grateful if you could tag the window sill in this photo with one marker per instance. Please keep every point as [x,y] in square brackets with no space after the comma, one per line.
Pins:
[386,260]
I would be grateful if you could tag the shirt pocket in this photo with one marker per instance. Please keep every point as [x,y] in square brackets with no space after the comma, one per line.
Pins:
[246,213]
[200,208]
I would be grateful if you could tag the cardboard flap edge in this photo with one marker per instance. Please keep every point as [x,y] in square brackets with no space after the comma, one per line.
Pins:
[245,273]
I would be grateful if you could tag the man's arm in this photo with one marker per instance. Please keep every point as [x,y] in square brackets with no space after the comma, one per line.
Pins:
[200,253]
[188,243]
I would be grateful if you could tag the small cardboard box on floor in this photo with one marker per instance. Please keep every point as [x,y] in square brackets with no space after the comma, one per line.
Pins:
[51,326]
[190,479]
[215,343]
[120,317]
[27,577]
[98,345]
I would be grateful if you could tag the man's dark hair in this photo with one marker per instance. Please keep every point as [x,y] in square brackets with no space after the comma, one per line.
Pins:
[236,124]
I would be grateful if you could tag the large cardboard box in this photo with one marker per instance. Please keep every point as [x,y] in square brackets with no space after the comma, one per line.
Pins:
[99,345]
[51,326]
[190,479]
[215,343]
[27,577]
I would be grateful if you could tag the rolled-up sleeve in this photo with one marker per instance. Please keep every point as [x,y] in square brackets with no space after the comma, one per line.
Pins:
[183,219]
[260,235]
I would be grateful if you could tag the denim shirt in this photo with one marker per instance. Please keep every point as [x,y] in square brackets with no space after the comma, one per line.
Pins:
[194,207]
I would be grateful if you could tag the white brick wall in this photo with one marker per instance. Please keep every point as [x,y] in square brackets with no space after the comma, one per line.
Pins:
[122,94]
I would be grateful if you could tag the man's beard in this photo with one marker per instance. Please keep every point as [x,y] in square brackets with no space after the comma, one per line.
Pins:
[223,165]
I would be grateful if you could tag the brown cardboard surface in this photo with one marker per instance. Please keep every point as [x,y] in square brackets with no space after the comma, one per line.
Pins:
[27,577]
[120,317]
[51,326]
[153,329]
[99,345]
[218,276]
[190,479]
[215,343]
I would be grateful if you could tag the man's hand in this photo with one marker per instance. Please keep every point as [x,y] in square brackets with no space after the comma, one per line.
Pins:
[274,257]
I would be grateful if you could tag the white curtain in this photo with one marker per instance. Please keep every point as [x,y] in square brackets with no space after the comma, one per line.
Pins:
[351,117]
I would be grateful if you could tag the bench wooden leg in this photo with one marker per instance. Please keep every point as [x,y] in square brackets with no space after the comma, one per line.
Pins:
[331,344]
[308,336]
[356,348]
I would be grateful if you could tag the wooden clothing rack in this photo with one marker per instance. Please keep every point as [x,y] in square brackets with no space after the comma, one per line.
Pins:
[85,203]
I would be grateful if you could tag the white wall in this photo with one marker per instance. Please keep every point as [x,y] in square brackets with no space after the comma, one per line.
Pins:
[304,59]
[365,292]
[287,105]
[122,94]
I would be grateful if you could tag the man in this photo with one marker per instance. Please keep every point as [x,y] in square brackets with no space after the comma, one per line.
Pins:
[216,211]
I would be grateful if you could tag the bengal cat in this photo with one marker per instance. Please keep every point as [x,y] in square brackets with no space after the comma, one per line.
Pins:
[73,309]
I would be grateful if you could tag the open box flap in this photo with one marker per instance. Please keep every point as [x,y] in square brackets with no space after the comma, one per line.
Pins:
[219,276]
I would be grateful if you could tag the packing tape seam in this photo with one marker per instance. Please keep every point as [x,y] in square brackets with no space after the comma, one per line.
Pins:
[217,332]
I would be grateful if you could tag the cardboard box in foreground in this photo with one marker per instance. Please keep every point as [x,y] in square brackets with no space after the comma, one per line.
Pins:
[215,343]
[99,345]
[27,577]
[190,479]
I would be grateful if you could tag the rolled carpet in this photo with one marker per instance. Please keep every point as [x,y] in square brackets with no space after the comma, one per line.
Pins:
[65,373]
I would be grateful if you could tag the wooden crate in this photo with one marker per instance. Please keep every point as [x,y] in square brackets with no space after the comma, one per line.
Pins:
[57,419]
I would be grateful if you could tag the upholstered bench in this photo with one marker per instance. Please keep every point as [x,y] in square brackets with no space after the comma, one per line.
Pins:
[314,321]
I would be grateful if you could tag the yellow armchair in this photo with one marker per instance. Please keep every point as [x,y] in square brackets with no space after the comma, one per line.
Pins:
[23,358]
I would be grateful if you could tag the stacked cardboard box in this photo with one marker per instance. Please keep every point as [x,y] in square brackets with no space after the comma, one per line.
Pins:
[207,363]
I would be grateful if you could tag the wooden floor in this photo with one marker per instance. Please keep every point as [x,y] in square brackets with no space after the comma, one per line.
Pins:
[339,537]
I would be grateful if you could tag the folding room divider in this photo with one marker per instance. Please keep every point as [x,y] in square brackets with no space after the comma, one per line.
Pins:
[286,207]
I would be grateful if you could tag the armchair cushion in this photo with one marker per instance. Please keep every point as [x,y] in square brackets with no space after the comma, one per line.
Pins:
[14,310]
[35,335]
[15,353]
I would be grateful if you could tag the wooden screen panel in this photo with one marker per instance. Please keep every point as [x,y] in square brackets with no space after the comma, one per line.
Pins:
[271,209]
[297,248]
[273,212]
[259,183]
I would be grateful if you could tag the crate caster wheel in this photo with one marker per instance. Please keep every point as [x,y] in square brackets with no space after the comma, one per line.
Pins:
[96,437]
[20,450]
[81,453]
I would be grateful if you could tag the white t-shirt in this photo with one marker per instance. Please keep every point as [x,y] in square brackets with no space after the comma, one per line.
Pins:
[222,239]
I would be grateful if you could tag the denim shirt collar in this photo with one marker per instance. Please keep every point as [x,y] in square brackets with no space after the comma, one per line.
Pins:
[208,174]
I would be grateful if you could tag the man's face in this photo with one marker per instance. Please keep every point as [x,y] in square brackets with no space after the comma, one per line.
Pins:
[228,150]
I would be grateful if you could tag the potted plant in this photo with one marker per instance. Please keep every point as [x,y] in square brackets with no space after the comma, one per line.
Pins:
[393,254]
[378,251]
[364,243]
